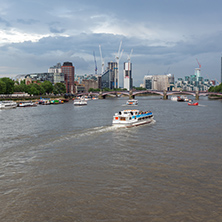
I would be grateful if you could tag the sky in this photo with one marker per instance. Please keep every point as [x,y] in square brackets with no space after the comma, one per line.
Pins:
[166,36]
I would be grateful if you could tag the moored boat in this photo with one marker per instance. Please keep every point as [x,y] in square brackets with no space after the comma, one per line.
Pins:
[133,102]
[80,102]
[8,104]
[130,118]
[26,104]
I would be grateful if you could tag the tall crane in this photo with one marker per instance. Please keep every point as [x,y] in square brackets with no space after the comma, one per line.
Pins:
[198,63]
[129,56]
[95,62]
[118,57]
[102,60]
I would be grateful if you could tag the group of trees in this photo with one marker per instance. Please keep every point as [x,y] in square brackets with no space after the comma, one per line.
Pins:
[215,88]
[8,86]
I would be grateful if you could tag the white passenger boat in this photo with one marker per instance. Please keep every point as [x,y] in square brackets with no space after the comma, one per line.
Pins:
[80,102]
[132,102]
[174,98]
[7,104]
[130,118]
[26,104]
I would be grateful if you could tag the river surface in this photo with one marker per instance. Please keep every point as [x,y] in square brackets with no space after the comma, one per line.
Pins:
[66,163]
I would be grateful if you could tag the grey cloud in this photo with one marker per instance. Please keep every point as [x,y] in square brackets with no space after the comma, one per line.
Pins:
[27,21]
[5,22]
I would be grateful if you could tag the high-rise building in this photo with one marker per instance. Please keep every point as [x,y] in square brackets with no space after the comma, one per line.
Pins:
[57,72]
[127,76]
[113,67]
[69,71]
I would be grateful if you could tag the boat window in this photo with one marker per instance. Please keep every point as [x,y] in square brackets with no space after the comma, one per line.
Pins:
[122,118]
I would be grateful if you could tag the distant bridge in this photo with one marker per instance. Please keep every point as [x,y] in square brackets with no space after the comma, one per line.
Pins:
[165,94]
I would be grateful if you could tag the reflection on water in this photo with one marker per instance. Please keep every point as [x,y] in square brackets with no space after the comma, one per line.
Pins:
[59,163]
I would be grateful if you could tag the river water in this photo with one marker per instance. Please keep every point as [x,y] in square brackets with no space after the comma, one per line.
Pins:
[66,163]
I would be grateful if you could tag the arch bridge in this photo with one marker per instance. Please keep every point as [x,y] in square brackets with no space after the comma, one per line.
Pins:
[133,94]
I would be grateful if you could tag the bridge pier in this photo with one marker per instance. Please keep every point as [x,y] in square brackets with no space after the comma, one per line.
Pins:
[165,96]
[197,95]
[131,96]
[100,95]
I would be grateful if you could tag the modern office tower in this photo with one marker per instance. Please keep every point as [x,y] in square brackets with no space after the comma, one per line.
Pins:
[148,82]
[127,76]
[57,72]
[159,82]
[69,71]
[113,67]
[197,73]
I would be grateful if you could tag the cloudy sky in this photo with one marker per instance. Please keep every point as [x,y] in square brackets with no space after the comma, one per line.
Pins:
[167,36]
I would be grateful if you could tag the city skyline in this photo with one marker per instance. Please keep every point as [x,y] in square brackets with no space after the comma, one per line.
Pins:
[165,36]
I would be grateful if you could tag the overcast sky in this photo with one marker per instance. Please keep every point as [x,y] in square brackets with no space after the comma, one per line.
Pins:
[167,36]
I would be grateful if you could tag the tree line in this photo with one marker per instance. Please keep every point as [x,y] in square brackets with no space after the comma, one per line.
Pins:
[8,86]
[215,88]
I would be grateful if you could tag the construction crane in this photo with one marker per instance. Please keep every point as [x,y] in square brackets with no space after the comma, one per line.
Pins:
[118,57]
[102,60]
[95,62]
[198,63]
[129,56]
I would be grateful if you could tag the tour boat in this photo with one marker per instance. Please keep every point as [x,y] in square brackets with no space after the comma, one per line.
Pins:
[193,104]
[7,104]
[174,98]
[130,118]
[26,104]
[133,102]
[80,102]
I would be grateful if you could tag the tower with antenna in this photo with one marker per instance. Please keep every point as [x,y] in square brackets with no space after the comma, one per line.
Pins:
[102,60]
[95,62]
[197,70]
[127,73]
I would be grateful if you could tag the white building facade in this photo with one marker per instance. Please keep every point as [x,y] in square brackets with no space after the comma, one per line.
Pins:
[127,76]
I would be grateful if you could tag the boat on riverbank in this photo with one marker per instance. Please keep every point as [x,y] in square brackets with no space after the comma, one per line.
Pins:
[26,104]
[7,104]
[132,102]
[130,118]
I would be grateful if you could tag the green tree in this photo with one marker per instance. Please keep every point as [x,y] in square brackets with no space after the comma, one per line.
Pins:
[41,90]
[9,85]
[59,88]
[47,85]
[2,87]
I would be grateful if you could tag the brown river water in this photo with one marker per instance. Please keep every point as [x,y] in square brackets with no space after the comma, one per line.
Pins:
[66,163]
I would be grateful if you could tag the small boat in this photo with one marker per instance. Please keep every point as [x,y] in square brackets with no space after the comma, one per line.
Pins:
[193,104]
[182,99]
[80,102]
[133,102]
[26,104]
[44,101]
[7,104]
[130,118]
[174,98]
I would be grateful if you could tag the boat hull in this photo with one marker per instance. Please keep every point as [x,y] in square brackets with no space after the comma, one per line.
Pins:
[133,124]
[130,118]
[193,104]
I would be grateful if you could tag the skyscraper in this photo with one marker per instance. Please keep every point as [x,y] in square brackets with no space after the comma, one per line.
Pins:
[69,71]
[127,76]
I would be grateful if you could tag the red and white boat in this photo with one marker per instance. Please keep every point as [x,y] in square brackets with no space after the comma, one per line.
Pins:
[193,104]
